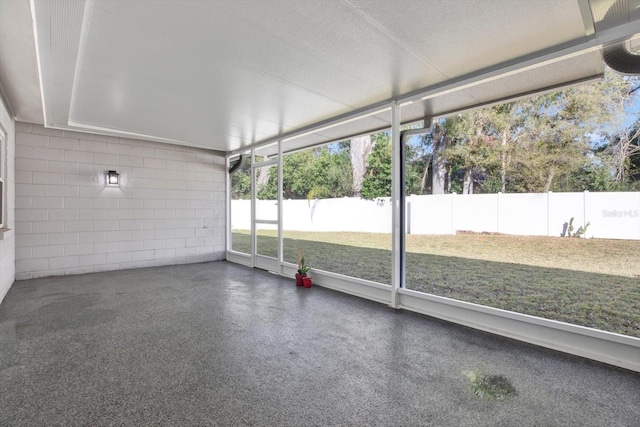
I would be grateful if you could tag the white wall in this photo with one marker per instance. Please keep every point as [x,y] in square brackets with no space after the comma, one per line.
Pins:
[169,208]
[345,214]
[7,236]
[611,215]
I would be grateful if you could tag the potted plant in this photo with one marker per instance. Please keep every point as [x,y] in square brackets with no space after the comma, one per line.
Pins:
[306,282]
[302,269]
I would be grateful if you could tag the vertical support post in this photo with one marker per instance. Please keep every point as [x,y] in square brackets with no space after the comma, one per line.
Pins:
[397,206]
[453,214]
[280,209]
[408,215]
[584,209]
[227,197]
[498,211]
[548,213]
[254,237]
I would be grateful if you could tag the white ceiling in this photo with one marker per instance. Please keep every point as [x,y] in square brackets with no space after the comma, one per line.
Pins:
[226,75]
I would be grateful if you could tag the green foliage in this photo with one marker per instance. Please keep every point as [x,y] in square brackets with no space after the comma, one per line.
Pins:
[377,179]
[490,387]
[582,230]
[331,173]
[313,173]
[480,142]
[241,182]
[413,171]
[556,138]
[574,140]
[240,185]
[593,177]
[303,269]
[492,184]
[267,190]
[546,142]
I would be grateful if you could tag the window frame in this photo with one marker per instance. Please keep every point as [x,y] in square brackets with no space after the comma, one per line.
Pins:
[3,179]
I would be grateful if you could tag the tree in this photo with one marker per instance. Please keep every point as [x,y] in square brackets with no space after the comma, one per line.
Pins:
[439,161]
[595,176]
[359,150]
[314,173]
[620,135]
[474,147]
[542,143]
[241,182]
[377,179]
[559,129]
[414,170]
[331,171]
[578,139]
[418,158]
[507,122]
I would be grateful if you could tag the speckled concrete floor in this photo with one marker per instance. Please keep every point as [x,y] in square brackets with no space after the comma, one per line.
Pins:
[222,344]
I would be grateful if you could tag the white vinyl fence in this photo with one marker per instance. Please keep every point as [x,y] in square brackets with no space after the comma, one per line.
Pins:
[611,215]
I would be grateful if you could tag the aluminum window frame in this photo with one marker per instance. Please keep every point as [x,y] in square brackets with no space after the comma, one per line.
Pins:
[608,347]
[3,179]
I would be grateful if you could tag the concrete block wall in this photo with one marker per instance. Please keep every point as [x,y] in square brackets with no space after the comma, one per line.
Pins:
[7,234]
[168,209]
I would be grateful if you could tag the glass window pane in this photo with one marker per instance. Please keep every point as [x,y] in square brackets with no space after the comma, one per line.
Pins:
[241,207]
[267,193]
[340,226]
[267,240]
[524,207]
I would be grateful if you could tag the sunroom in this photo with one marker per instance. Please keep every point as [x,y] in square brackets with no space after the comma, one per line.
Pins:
[138,134]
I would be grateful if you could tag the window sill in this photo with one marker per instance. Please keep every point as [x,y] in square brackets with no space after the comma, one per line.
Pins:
[5,233]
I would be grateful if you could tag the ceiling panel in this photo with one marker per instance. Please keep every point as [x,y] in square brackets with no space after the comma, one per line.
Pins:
[341,131]
[179,91]
[18,64]
[460,37]
[555,75]
[558,74]
[230,74]
[64,45]
[287,71]
[324,45]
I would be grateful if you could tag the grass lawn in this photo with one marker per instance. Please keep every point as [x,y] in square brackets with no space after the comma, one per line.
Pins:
[588,282]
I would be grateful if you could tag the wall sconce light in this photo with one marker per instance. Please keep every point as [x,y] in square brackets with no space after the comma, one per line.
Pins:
[112,178]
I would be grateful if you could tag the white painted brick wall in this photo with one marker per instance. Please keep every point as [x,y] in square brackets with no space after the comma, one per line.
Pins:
[169,208]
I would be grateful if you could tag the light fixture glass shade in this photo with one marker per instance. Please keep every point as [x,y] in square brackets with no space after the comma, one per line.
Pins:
[112,178]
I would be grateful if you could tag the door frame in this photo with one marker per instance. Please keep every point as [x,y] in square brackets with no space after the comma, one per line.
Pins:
[262,261]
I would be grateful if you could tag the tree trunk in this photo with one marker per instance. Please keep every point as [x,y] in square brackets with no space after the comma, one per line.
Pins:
[263,176]
[547,185]
[359,150]
[439,171]
[438,168]
[467,185]
[425,175]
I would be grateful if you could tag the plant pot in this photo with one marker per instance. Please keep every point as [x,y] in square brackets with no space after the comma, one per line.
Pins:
[299,278]
[306,282]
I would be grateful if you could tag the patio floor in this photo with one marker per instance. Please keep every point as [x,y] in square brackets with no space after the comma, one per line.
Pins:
[222,344]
